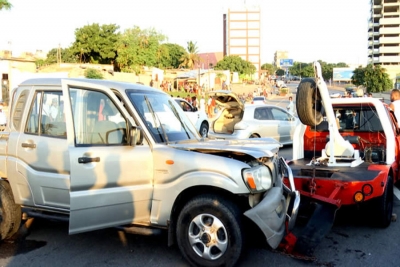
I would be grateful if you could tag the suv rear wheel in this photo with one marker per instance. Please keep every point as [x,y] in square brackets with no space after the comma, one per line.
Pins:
[10,213]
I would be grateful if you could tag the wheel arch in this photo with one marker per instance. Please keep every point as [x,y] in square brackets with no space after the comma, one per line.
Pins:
[195,191]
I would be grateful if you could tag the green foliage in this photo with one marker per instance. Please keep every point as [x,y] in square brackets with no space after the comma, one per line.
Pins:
[137,47]
[40,63]
[307,70]
[269,68]
[280,72]
[373,77]
[4,4]
[174,54]
[190,58]
[67,56]
[95,43]
[235,64]
[93,74]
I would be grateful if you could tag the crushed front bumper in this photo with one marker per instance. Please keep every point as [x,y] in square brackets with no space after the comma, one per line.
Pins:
[279,204]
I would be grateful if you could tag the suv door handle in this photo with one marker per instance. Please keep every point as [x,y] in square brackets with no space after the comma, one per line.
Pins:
[88,160]
[29,145]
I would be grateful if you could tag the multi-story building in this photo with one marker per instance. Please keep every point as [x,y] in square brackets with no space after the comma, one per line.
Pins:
[242,34]
[278,56]
[384,36]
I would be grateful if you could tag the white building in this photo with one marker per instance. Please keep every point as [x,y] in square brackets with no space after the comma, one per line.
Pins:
[384,36]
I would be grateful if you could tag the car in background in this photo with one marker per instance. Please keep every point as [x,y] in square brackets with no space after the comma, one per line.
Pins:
[241,121]
[197,117]
[259,100]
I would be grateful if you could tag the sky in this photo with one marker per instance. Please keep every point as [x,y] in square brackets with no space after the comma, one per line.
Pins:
[329,30]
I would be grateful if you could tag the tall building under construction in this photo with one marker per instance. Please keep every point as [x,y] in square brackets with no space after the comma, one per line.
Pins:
[242,34]
[384,37]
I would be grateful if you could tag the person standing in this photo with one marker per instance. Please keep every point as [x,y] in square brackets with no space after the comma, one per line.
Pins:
[395,104]
[290,107]
[202,104]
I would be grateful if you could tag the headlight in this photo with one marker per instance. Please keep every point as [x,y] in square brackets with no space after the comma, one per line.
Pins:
[258,178]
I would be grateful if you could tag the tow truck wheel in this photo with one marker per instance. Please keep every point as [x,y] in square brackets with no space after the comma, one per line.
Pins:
[384,205]
[308,103]
[10,213]
[209,232]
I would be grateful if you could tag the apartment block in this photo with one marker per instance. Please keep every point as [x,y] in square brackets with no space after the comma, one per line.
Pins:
[384,36]
[242,35]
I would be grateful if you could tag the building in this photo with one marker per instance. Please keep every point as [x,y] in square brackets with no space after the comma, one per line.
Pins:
[242,34]
[384,36]
[278,56]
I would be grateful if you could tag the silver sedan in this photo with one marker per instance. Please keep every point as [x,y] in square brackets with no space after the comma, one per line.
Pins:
[238,121]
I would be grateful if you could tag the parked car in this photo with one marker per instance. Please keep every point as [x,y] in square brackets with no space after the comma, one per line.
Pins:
[197,117]
[259,100]
[238,121]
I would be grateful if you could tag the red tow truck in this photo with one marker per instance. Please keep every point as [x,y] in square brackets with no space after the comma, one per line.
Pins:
[345,152]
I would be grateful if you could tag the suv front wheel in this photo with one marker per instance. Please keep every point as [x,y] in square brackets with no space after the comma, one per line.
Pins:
[209,231]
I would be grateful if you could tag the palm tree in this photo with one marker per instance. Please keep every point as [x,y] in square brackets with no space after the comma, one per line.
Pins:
[4,4]
[190,59]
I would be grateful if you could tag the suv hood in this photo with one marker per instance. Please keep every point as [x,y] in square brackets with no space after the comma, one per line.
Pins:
[257,148]
[227,99]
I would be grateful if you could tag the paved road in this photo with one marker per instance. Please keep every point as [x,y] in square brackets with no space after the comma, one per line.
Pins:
[353,241]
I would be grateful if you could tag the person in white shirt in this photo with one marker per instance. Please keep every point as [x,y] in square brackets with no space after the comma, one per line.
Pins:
[395,104]
[202,104]
[53,110]
[290,107]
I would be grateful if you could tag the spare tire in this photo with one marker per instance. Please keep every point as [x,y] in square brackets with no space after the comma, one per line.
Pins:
[308,103]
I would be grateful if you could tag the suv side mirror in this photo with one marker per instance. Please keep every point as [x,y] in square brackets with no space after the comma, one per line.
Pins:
[134,135]
[194,109]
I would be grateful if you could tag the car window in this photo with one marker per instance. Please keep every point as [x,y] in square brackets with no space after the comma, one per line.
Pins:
[261,114]
[46,115]
[185,106]
[280,115]
[97,120]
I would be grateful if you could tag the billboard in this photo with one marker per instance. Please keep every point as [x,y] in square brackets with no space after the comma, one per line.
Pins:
[286,62]
[342,74]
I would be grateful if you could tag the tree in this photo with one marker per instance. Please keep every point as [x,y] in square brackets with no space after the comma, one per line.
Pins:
[4,4]
[175,53]
[67,56]
[269,68]
[137,48]
[95,43]
[280,72]
[236,64]
[373,77]
[190,58]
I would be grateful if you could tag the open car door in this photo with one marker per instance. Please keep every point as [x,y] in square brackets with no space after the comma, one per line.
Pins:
[111,181]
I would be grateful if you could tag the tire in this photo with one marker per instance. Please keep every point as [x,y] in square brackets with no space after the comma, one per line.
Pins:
[210,212]
[254,136]
[10,213]
[204,129]
[384,206]
[308,103]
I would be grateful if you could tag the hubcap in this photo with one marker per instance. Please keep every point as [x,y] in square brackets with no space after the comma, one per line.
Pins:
[207,236]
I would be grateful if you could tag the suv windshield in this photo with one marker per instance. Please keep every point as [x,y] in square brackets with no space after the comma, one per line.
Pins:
[163,117]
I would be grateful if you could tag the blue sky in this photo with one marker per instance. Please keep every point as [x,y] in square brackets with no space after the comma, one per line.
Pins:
[332,31]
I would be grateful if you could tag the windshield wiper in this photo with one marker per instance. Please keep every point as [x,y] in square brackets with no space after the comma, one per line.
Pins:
[163,135]
[184,126]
